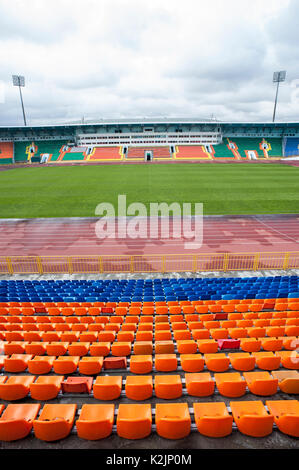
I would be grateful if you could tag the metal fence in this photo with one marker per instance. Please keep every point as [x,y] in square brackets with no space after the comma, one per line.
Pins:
[148,263]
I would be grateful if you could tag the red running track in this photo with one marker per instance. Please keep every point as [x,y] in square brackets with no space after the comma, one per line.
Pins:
[229,234]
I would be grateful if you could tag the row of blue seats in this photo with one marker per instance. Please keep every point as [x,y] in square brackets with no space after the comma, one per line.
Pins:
[149,290]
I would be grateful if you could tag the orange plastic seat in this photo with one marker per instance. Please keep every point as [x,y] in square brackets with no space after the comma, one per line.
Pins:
[192,362]
[86,337]
[251,345]
[175,309]
[207,346]
[134,421]
[209,325]
[139,388]
[64,365]
[195,325]
[126,336]
[256,332]
[272,344]
[147,310]
[57,348]
[286,416]
[252,419]
[70,336]
[213,419]
[164,347]
[201,334]
[141,364]
[168,387]
[100,349]
[16,387]
[17,420]
[145,327]
[200,385]
[55,422]
[90,365]
[41,365]
[292,330]
[78,349]
[13,336]
[120,349]
[129,327]
[166,362]
[51,336]
[217,362]
[261,383]
[187,347]
[219,333]
[180,335]
[237,333]
[14,347]
[95,422]
[46,388]
[143,348]
[289,359]
[146,336]
[179,326]
[288,381]
[17,362]
[242,362]
[267,360]
[173,420]
[107,388]
[230,385]
[36,348]
[162,327]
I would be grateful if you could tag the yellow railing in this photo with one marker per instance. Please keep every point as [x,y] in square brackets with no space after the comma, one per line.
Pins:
[209,262]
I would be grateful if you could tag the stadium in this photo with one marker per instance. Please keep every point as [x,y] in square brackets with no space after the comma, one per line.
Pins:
[128,337]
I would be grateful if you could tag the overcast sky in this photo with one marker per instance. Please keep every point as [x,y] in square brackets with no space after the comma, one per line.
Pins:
[159,58]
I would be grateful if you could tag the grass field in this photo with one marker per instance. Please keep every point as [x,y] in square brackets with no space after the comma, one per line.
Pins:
[76,191]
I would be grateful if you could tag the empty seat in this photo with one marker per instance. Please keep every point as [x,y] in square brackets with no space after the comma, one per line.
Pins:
[272,344]
[78,349]
[115,363]
[100,349]
[187,347]
[173,420]
[120,349]
[251,345]
[164,347]
[207,346]
[95,422]
[200,385]
[267,360]
[139,388]
[230,385]
[242,362]
[107,388]
[41,364]
[46,388]
[57,348]
[55,422]
[261,383]
[90,365]
[217,362]
[166,362]
[134,421]
[213,419]
[289,359]
[192,362]
[252,418]
[16,387]
[141,364]
[288,381]
[17,420]
[168,387]
[65,365]
[286,416]
[143,348]
[17,362]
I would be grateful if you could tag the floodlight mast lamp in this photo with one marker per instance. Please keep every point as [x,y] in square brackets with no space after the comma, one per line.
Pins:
[278,78]
[19,80]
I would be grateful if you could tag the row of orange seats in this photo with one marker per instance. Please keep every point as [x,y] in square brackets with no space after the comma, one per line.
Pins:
[140,388]
[172,420]
[91,365]
[148,308]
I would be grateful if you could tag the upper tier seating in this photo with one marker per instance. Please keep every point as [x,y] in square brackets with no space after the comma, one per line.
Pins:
[52,148]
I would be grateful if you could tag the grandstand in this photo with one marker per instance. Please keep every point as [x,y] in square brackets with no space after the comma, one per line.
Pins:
[115,141]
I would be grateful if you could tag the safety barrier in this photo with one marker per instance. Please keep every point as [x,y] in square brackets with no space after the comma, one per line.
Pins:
[209,262]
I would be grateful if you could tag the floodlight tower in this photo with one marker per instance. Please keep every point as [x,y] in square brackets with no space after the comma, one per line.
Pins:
[19,80]
[278,78]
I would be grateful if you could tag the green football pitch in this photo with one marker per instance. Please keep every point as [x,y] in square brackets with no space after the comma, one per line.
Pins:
[224,189]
